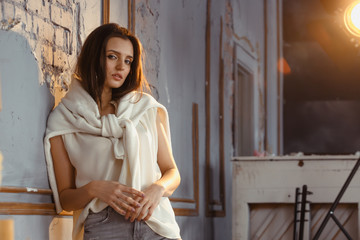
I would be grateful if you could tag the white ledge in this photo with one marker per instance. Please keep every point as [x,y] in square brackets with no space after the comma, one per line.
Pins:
[296,157]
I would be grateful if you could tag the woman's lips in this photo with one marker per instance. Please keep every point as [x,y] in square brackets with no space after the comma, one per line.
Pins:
[117,77]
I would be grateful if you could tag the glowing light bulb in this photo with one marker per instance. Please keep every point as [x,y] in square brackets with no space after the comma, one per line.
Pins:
[355,16]
[352,18]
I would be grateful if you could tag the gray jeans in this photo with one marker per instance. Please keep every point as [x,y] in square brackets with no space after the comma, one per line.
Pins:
[110,225]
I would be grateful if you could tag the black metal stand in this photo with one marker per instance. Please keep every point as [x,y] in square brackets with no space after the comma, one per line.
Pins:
[297,193]
[299,235]
[334,205]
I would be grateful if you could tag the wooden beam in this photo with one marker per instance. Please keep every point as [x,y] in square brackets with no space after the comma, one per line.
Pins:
[106,11]
[16,208]
[131,15]
[6,189]
[183,200]
[186,212]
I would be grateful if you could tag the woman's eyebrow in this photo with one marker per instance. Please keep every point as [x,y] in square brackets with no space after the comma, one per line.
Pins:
[111,50]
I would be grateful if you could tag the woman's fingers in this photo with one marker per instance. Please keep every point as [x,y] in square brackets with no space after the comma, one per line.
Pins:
[148,203]
[118,209]
[134,215]
[134,192]
[140,212]
[136,212]
[150,212]
[130,196]
[127,203]
[129,214]
[121,198]
[144,211]
[126,199]
[122,207]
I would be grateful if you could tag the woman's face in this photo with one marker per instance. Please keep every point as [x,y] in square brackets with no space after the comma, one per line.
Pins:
[119,56]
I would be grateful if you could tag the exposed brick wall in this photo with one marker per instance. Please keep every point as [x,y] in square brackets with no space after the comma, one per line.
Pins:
[51,27]
[147,16]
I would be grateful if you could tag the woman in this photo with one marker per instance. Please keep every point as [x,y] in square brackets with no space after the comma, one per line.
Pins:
[108,147]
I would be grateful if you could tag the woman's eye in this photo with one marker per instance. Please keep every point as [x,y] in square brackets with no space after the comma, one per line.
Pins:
[112,56]
[128,61]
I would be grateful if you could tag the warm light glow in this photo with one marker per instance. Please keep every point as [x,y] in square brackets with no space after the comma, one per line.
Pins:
[352,18]
[283,66]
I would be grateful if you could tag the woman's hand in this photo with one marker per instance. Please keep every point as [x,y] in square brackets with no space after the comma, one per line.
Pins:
[121,198]
[151,200]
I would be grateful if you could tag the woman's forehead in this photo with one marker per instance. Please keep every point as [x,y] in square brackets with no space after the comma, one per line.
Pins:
[120,45]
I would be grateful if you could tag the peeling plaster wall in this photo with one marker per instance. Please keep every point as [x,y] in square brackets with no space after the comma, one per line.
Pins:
[173,35]
[177,33]
[26,105]
[39,42]
[181,83]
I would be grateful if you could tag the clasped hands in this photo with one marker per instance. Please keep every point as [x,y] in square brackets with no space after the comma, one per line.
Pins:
[134,204]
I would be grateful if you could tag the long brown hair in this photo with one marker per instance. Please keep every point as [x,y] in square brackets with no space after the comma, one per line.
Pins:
[91,70]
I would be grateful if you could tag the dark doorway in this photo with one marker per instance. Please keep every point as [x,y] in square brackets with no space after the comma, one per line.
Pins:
[322,91]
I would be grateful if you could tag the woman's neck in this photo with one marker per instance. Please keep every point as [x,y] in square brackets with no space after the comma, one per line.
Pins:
[106,107]
[106,96]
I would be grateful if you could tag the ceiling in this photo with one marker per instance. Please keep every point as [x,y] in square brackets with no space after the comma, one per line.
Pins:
[324,63]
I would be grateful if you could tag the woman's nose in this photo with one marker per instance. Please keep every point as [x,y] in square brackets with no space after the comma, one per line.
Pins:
[120,65]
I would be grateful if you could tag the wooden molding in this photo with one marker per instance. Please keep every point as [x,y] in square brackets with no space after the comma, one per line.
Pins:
[131,15]
[106,11]
[210,203]
[195,145]
[4,189]
[23,208]
[17,208]
[184,200]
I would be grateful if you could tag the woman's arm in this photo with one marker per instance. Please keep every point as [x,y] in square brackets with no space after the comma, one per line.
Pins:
[170,179]
[118,196]
[168,182]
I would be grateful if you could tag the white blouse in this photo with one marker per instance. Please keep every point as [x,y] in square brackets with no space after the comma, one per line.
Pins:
[118,147]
